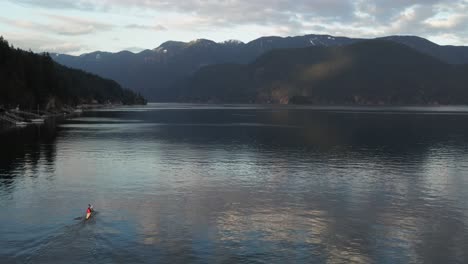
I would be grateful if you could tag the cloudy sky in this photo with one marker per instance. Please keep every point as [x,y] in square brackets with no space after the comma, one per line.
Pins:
[78,26]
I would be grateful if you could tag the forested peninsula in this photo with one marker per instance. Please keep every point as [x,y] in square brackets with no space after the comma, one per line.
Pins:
[31,81]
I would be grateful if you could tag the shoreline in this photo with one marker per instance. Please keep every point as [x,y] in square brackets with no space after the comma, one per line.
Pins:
[15,118]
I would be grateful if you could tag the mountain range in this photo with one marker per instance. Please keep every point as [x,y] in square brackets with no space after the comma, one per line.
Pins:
[158,73]
[373,72]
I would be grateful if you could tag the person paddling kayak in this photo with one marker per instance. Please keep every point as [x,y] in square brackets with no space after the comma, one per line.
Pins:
[89,211]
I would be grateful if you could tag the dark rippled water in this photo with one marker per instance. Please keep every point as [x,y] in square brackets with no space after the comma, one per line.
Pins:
[238,184]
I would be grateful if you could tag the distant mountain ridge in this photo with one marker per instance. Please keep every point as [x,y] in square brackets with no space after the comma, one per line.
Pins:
[154,72]
[373,72]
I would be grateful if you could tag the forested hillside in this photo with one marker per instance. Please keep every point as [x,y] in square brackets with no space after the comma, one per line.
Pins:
[369,72]
[31,80]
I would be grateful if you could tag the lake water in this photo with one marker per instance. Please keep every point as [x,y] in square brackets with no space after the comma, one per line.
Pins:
[178,183]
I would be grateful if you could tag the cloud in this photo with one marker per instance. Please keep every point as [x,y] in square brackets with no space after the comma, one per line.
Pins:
[361,18]
[19,23]
[39,43]
[64,47]
[447,23]
[66,25]
[254,11]
[61,25]
[59,4]
[146,27]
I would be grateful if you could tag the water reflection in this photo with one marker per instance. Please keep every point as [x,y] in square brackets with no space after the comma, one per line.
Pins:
[26,152]
[226,184]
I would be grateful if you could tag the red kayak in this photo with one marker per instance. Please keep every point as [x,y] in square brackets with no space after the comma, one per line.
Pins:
[88,213]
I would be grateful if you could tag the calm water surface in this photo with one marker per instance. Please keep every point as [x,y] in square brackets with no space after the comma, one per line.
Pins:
[238,184]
